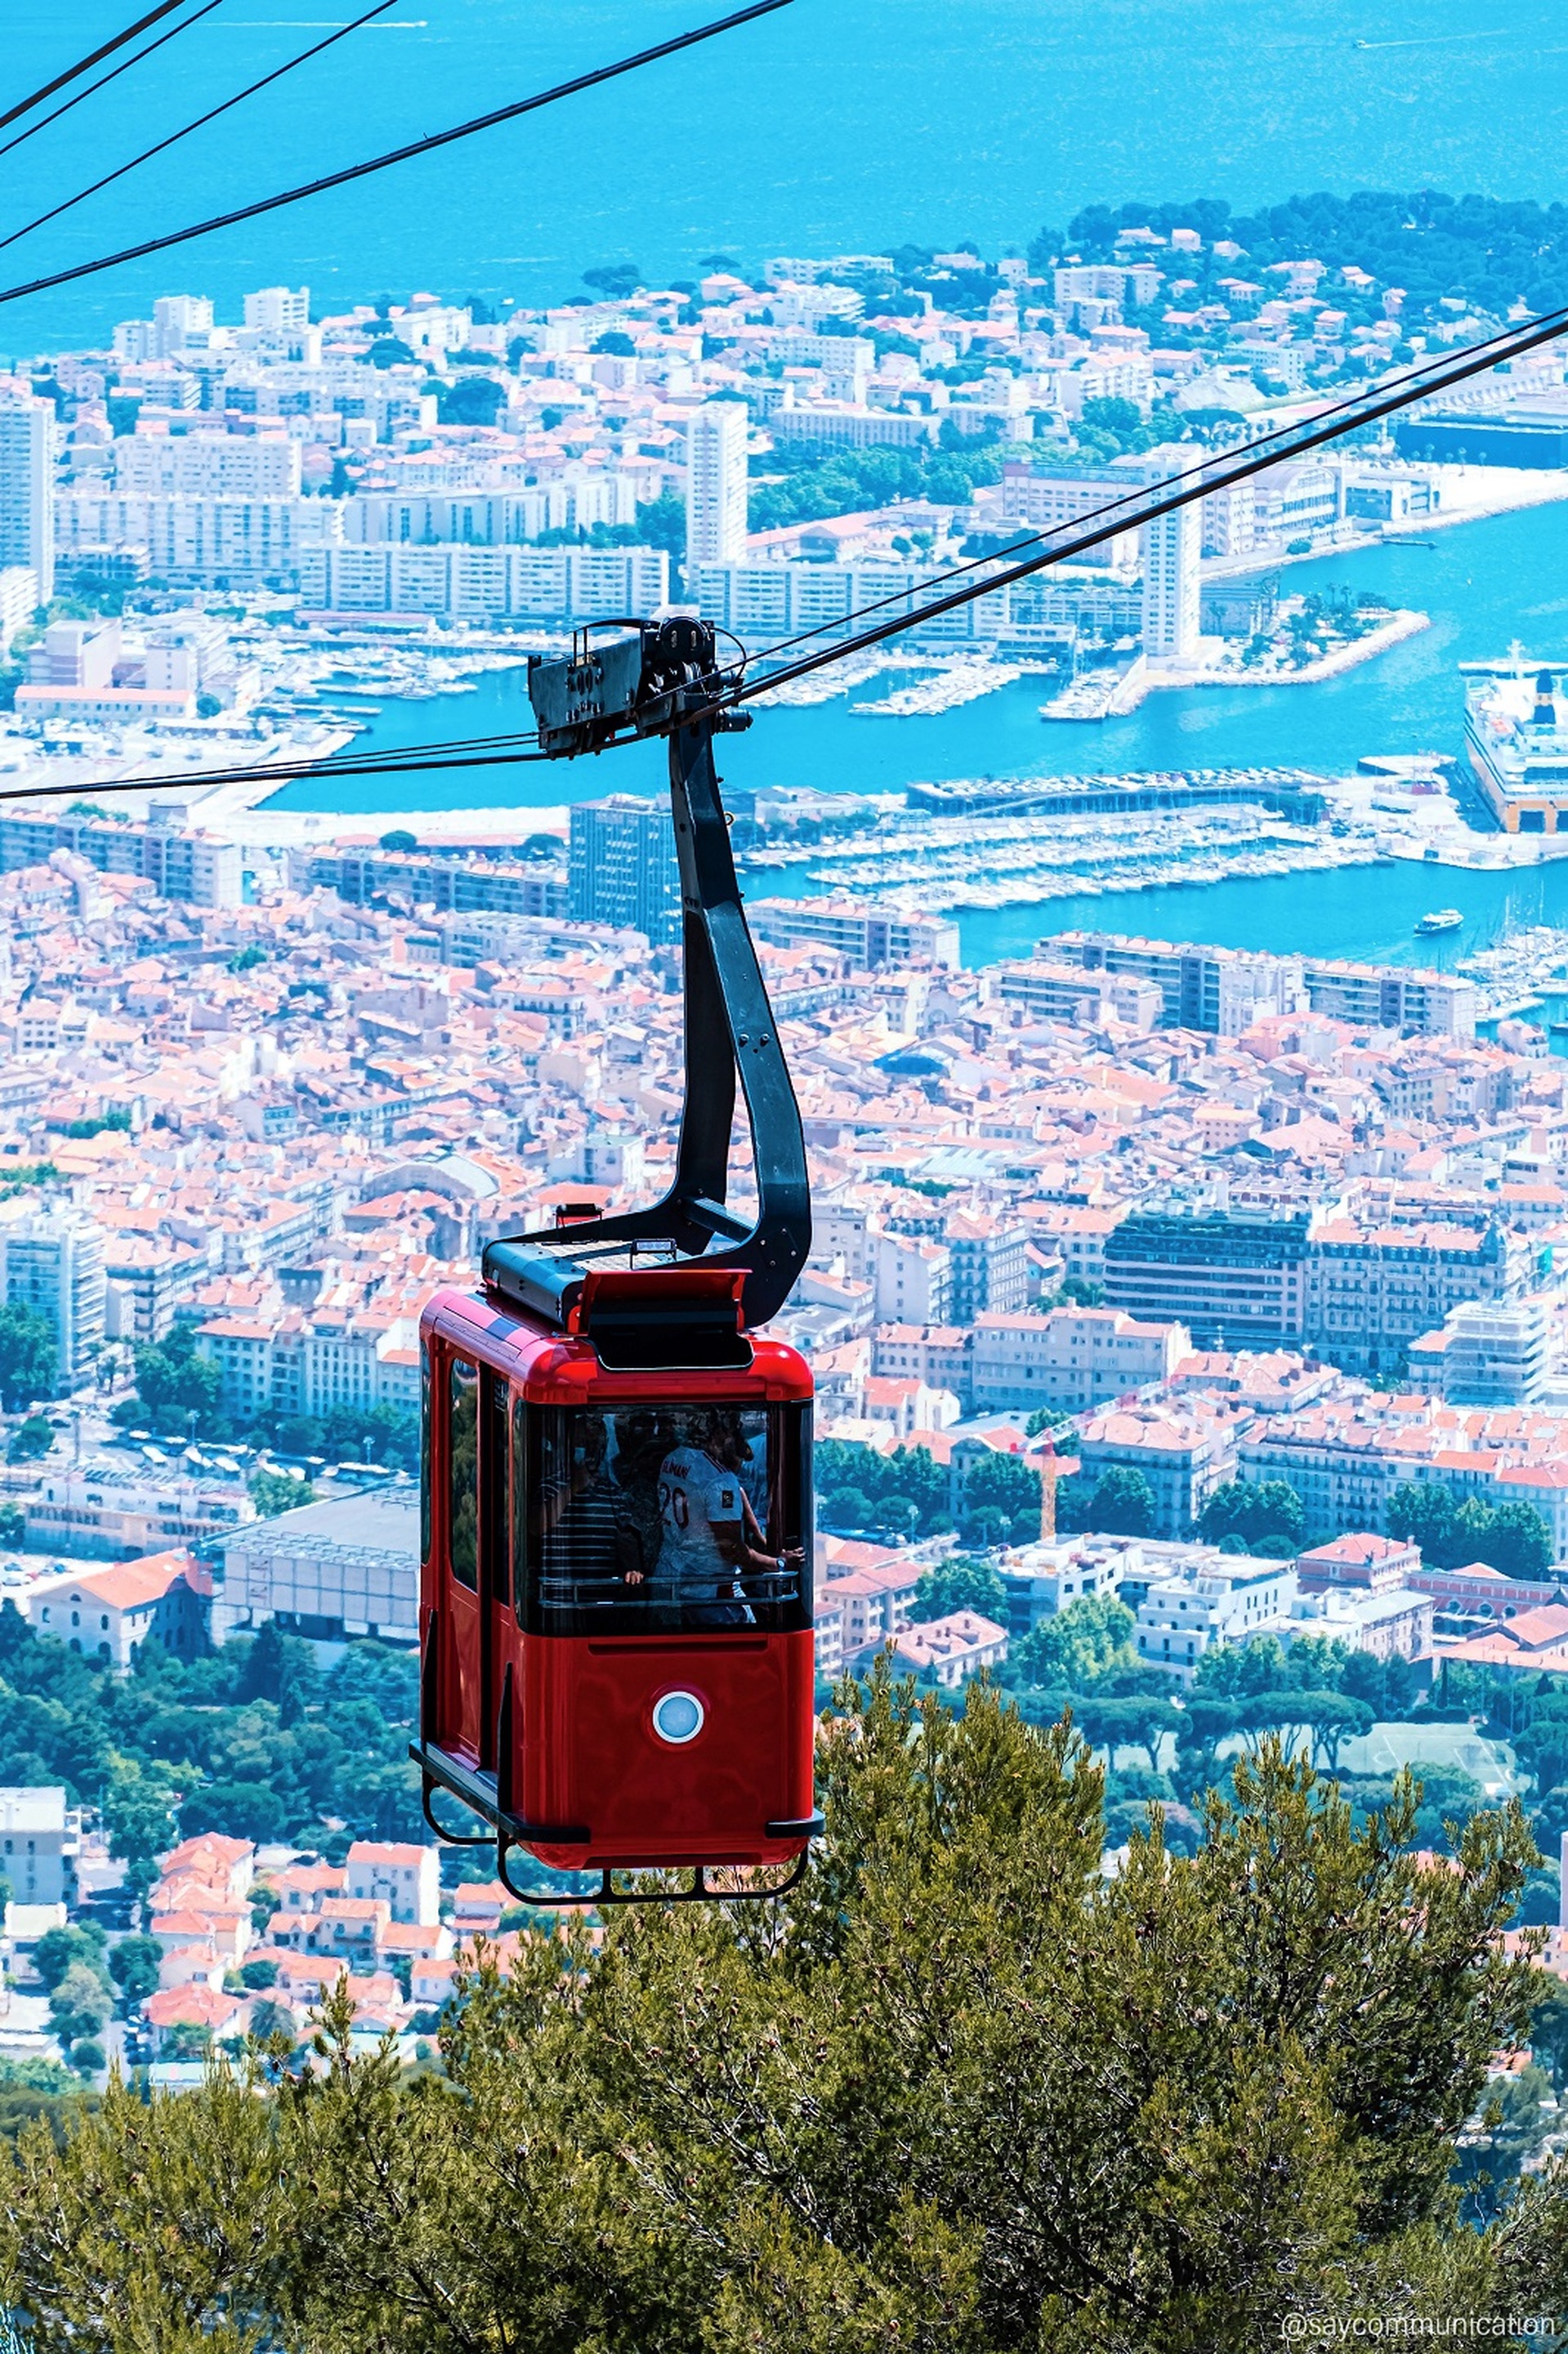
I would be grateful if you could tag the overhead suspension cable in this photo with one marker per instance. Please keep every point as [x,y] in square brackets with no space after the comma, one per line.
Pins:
[85,64]
[115,71]
[416,147]
[340,33]
[483,752]
[1202,471]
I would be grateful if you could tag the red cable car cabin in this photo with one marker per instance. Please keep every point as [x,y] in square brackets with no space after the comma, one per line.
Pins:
[616,1594]
[616,1584]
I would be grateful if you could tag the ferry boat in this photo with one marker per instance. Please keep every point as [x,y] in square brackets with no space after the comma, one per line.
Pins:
[1516,744]
[1441,920]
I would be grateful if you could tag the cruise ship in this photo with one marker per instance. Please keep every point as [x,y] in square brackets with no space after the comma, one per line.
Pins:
[1516,736]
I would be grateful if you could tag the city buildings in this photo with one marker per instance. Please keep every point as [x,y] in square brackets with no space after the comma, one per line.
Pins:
[622,867]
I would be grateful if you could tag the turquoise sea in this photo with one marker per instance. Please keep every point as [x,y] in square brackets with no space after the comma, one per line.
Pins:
[824,129]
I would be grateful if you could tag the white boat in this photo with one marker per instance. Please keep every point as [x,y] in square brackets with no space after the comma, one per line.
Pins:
[1443,919]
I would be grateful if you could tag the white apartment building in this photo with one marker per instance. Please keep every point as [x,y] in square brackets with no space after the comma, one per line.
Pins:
[1371,1291]
[305,1368]
[18,601]
[840,424]
[716,484]
[951,1650]
[990,1264]
[871,937]
[1050,500]
[206,466]
[1064,992]
[40,1838]
[54,1264]
[914,1281]
[1170,548]
[104,1513]
[278,310]
[486,516]
[1394,1623]
[566,583]
[26,490]
[199,540]
[1184,1450]
[1233,1600]
[112,1613]
[1070,1357]
[179,320]
[1486,1353]
[398,1874]
[1042,1579]
[1228,519]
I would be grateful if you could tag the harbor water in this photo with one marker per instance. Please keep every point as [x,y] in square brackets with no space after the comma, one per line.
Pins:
[1483,585]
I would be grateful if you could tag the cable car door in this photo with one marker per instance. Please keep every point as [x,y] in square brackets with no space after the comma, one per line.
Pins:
[462,1635]
[495,1554]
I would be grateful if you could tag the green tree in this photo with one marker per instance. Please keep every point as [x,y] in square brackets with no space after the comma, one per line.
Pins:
[248,1810]
[616,344]
[59,1950]
[139,1816]
[388,351]
[1518,1541]
[29,1357]
[33,1440]
[618,280]
[960,1583]
[1005,1486]
[1266,1517]
[134,1965]
[281,1669]
[400,838]
[971,2097]
[279,1491]
[185,2040]
[173,1381]
[269,2018]
[79,2005]
[1123,1503]
[1091,1639]
[1136,1722]
[472,400]
[1423,1513]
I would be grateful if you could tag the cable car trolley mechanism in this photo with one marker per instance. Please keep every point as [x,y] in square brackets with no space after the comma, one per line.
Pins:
[617,1660]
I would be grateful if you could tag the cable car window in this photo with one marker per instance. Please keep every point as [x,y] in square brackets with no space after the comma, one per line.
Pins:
[644,1518]
[462,1475]
[492,1471]
[424,1452]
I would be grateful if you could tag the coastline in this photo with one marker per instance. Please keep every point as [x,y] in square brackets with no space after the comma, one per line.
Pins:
[1140,681]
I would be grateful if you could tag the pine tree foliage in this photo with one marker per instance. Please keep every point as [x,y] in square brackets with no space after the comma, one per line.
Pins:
[961,2092]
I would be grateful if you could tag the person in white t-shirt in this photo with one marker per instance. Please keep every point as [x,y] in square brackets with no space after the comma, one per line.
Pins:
[710,1537]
